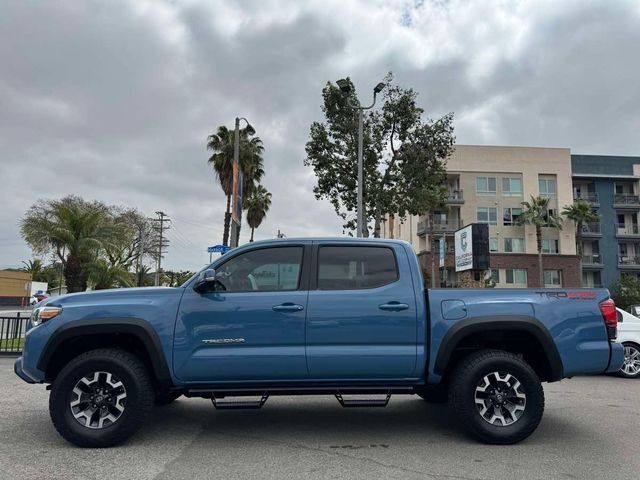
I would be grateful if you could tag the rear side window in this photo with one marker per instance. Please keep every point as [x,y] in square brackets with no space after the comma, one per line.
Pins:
[350,268]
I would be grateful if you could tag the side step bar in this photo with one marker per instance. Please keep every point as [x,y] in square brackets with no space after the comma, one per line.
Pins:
[364,402]
[239,404]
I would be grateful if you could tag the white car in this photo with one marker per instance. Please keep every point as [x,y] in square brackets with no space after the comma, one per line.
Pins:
[629,336]
[33,300]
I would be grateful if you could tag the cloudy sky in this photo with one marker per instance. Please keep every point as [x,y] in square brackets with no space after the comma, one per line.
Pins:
[113,100]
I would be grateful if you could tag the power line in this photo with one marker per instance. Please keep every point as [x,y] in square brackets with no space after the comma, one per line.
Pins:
[159,226]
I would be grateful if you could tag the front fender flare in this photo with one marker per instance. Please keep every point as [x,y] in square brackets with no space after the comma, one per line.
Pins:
[124,325]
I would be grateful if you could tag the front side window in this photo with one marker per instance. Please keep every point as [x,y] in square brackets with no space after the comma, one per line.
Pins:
[516,276]
[486,185]
[356,267]
[510,216]
[487,215]
[511,187]
[266,270]
[514,245]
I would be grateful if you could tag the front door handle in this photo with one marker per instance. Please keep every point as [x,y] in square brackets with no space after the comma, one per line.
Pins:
[288,307]
[393,306]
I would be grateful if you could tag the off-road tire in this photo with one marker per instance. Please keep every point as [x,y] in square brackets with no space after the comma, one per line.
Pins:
[462,394]
[139,401]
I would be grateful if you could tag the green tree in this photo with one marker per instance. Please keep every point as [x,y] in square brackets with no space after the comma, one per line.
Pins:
[175,278]
[103,275]
[581,213]
[626,291]
[34,268]
[404,157]
[42,273]
[257,206]
[251,165]
[73,229]
[536,213]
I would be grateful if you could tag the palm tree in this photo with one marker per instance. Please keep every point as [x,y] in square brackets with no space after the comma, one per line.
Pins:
[104,275]
[581,213]
[257,206]
[536,212]
[34,268]
[251,165]
[76,230]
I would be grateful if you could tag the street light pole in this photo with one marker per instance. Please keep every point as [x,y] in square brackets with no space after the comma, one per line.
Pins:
[236,201]
[345,87]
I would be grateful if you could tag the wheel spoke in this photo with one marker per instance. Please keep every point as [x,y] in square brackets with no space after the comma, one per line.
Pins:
[500,399]
[98,400]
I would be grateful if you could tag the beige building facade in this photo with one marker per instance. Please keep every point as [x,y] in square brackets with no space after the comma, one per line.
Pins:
[487,184]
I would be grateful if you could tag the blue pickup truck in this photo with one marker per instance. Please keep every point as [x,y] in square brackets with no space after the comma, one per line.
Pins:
[343,317]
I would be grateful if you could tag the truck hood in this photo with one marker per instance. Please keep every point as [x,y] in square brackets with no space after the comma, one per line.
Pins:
[114,296]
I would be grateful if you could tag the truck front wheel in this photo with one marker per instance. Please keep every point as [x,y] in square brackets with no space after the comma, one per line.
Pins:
[497,396]
[101,397]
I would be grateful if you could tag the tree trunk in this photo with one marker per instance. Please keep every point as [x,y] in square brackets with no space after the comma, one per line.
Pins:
[539,240]
[251,239]
[579,249]
[392,218]
[227,222]
[376,224]
[73,275]
[238,235]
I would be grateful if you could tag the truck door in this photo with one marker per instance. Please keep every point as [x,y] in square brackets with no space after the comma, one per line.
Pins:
[252,325]
[361,313]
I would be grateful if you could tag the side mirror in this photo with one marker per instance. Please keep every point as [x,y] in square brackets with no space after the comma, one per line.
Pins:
[206,281]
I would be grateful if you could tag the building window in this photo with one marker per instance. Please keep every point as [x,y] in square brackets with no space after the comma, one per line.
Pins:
[510,216]
[549,246]
[495,276]
[514,245]
[553,278]
[547,186]
[511,187]
[516,276]
[486,185]
[487,215]
[493,244]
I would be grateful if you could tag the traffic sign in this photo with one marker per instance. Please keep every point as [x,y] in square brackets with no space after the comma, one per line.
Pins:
[218,249]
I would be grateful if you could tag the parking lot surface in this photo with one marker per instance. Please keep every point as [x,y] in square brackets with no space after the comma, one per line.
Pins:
[591,429]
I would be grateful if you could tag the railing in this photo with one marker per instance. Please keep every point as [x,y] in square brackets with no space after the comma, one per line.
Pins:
[12,331]
[455,196]
[626,199]
[438,227]
[624,260]
[591,228]
[592,259]
[587,197]
[624,229]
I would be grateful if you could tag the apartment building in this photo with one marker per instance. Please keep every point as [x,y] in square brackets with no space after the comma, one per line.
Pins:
[487,185]
[611,247]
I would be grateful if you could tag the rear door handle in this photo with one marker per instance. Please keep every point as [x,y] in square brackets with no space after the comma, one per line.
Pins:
[393,306]
[288,307]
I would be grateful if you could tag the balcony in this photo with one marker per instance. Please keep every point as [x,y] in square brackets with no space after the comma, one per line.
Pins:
[626,201]
[627,231]
[592,261]
[455,197]
[449,226]
[632,263]
[590,197]
[591,230]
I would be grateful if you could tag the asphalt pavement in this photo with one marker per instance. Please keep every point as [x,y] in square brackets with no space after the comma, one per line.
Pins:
[590,430]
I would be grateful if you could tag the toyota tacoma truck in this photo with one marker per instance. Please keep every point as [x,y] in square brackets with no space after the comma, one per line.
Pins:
[343,317]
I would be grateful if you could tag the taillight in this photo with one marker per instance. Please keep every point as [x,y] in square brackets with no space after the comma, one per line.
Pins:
[610,316]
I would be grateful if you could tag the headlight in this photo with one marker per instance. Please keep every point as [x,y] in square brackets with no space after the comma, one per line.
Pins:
[42,314]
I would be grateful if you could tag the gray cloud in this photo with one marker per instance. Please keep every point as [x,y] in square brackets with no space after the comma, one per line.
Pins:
[114,100]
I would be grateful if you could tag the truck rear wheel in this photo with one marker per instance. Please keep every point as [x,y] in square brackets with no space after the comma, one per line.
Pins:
[497,396]
[101,398]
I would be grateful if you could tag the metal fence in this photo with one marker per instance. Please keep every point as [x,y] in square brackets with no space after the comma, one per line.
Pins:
[12,330]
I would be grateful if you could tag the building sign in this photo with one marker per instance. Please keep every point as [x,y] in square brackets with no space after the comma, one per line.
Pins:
[442,254]
[463,243]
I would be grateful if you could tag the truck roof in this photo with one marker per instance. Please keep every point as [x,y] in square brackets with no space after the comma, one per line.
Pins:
[326,239]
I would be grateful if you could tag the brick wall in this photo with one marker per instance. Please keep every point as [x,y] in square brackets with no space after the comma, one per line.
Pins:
[569,264]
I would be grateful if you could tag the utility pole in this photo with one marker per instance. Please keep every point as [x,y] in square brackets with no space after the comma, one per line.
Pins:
[159,226]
